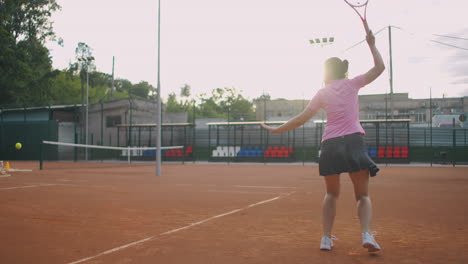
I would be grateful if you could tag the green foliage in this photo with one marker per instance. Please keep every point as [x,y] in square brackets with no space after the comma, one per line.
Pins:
[25,66]
[28,19]
[221,103]
[141,89]
[65,89]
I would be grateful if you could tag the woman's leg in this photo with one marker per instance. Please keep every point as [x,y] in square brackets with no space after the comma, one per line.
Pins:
[360,181]
[329,203]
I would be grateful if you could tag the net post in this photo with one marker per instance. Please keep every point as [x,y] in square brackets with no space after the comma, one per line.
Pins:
[454,142]
[41,155]
[128,154]
[183,153]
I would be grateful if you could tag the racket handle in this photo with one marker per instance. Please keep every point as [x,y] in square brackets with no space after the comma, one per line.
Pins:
[366,26]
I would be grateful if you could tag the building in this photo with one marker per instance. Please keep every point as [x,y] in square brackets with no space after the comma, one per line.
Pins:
[376,106]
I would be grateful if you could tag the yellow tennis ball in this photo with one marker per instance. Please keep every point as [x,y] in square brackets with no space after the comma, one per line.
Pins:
[18,146]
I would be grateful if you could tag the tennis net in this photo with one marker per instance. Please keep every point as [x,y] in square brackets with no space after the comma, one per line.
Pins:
[52,151]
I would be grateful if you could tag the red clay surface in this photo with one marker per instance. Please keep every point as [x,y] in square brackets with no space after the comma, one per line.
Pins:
[199,213]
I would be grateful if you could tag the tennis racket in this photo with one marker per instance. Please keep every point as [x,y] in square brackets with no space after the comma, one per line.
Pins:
[360,6]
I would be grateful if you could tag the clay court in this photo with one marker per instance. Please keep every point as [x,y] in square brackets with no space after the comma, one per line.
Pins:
[215,213]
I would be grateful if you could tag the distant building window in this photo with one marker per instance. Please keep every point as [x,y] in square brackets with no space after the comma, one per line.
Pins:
[113,120]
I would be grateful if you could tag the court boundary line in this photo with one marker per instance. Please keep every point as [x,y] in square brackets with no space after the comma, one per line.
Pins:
[179,229]
[37,185]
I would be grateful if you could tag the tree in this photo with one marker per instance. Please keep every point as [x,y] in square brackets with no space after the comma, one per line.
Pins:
[28,19]
[85,62]
[172,105]
[123,85]
[224,101]
[25,66]
[141,89]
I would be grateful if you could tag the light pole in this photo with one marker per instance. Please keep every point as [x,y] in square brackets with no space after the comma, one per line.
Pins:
[158,96]
[87,109]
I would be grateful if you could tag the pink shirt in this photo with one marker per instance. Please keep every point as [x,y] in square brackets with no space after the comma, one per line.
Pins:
[339,99]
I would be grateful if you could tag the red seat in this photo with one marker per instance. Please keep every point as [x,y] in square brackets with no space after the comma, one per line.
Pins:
[269,149]
[188,150]
[404,152]
[267,153]
[283,148]
[389,152]
[381,152]
[274,154]
[280,154]
[275,148]
[396,152]
[290,150]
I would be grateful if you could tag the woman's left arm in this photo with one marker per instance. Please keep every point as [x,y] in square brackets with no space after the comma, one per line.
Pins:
[295,122]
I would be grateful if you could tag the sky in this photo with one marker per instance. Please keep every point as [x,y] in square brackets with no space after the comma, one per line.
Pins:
[262,46]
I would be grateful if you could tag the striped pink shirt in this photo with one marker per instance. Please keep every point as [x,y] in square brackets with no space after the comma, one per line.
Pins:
[340,101]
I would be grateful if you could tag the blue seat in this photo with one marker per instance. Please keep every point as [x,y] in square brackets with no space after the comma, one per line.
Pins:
[372,152]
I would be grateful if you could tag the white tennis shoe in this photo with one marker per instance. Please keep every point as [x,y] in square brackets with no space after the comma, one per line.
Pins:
[368,241]
[327,243]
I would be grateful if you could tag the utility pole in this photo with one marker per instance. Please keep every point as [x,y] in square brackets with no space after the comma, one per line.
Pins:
[391,69]
[113,87]
[158,103]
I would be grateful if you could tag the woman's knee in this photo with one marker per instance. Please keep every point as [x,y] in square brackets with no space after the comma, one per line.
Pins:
[362,197]
[332,195]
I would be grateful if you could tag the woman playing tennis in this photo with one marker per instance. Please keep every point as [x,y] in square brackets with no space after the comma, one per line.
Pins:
[343,148]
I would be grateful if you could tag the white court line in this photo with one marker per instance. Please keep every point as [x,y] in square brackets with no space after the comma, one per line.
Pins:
[177,229]
[243,192]
[27,186]
[50,184]
[237,186]
[19,170]
[264,187]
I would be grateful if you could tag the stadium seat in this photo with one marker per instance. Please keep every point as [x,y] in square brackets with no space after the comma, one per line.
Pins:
[389,153]
[404,152]
[188,150]
[396,152]
[381,152]
[372,151]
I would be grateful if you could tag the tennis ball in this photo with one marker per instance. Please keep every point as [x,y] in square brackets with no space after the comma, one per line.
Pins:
[18,146]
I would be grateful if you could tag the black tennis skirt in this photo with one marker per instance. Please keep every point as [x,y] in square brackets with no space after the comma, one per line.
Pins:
[345,154]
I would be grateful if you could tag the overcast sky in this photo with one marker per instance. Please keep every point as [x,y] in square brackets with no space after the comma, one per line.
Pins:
[263,45]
